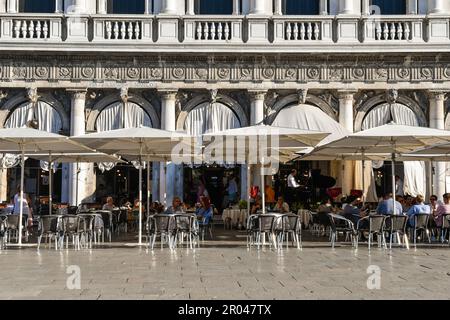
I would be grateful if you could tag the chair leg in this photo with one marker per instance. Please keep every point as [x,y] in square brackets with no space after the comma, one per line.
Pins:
[390,241]
[405,239]
[428,235]
[39,242]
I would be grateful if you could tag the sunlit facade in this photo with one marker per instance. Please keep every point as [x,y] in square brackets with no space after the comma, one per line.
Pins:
[211,65]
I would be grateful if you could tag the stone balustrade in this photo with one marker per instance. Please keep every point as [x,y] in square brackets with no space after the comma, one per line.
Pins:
[213,29]
[37,27]
[314,28]
[122,28]
[394,29]
[218,29]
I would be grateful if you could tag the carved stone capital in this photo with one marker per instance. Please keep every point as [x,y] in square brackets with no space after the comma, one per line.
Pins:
[170,94]
[302,95]
[347,94]
[32,95]
[438,95]
[257,94]
[77,94]
[392,96]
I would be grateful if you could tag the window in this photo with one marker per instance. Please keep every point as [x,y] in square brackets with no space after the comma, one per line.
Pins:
[390,7]
[304,7]
[41,6]
[126,7]
[215,6]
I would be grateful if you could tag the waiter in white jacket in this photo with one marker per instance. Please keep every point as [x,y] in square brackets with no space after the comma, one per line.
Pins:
[292,185]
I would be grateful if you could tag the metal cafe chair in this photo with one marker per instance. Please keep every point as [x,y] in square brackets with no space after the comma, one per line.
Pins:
[265,227]
[421,225]
[162,226]
[292,226]
[3,228]
[13,227]
[445,227]
[71,228]
[50,227]
[376,227]
[339,224]
[396,225]
[186,225]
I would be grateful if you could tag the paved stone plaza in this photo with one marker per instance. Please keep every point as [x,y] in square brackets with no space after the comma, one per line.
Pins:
[225,270]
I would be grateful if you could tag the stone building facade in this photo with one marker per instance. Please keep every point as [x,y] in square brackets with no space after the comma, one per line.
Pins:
[180,62]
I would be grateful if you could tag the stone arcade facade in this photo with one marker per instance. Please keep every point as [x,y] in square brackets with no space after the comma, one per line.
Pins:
[254,62]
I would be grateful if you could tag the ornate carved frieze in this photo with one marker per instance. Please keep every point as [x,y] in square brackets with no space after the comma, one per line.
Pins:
[189,69]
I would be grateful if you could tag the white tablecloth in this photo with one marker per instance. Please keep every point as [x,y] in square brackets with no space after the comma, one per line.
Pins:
[237,216]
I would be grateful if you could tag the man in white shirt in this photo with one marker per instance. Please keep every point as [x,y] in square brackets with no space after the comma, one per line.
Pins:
[293,186]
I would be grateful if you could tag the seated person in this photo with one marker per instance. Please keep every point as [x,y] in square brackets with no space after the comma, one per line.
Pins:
[205,210]
[176,207]
[354,212]
[109,205]
[257,205]
[281,206]
[418,208]
[442,210]
[386,206]
[326,206]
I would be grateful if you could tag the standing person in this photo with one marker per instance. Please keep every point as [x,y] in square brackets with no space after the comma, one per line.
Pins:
[201,191]
[398,186]
[293,186]
[232,190]
[26,211]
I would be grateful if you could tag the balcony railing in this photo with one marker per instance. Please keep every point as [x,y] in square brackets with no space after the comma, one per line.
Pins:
[31,27]
[394,29]
[119,28]
[221,30]
[213,29]
[314,28]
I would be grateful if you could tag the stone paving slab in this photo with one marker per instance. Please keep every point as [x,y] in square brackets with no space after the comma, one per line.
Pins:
[225,272]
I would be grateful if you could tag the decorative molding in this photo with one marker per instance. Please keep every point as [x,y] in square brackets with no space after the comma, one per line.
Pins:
[391,96]
[152,70]
[302,95]
[438,94]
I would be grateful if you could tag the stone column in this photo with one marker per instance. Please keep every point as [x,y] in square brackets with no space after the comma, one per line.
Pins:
[77,128]
[437,121]
[148,7]
[169,7]
[346,120]
[346,7]
[2,6]
[257,106]
[236,9]
[167,171]
[102,6]
[365,9]
[13,6]
[278,9]
[436,6]
[256,117]
[190,10]
[323,7]
[412,7]
[59,6]
[258,7]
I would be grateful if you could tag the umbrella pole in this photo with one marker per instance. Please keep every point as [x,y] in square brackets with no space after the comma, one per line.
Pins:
[76,184]
[363,177]
[148,186]
[263,190]
[22,173]
[393,182]
[50,189]
[248,189]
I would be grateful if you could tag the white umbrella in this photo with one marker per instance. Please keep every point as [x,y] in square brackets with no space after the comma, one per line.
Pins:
[249,147]
[390,139]
[27,140]
[142,142]
[73,158]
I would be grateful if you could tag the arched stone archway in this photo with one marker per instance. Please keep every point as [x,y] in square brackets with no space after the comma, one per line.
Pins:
[204,98]
[293,100]
[19,100]
[114,98]
[381,99]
